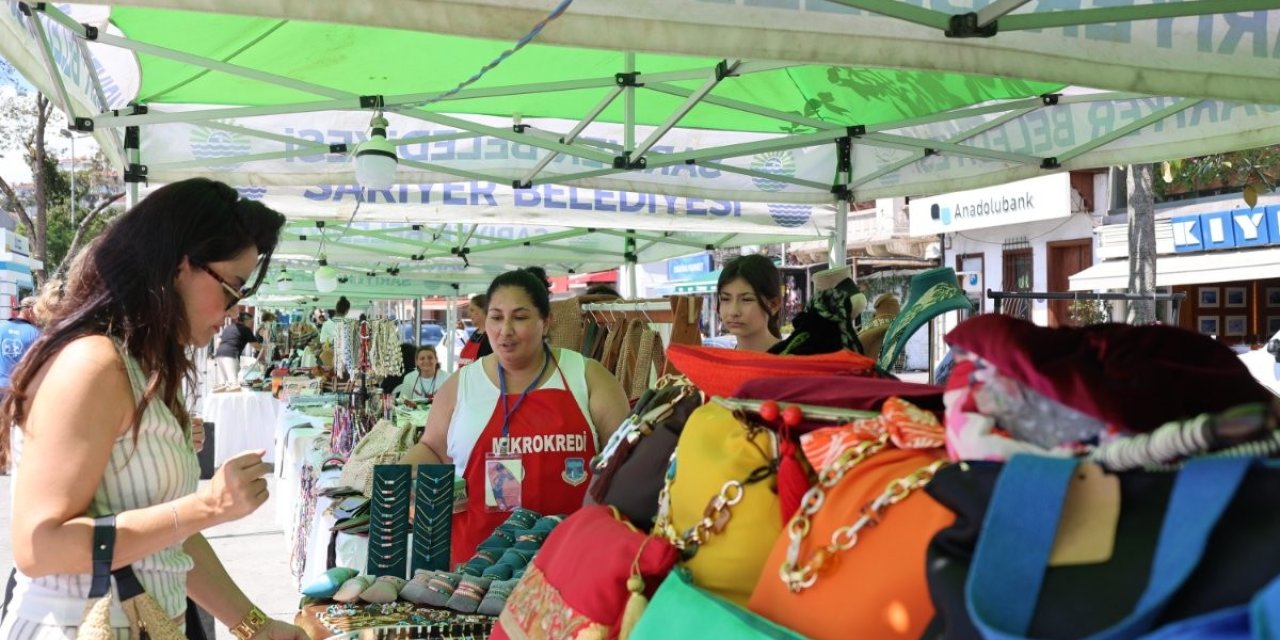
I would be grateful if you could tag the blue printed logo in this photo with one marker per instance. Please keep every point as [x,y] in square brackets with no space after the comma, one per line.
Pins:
[252,193]
[575,471]
[209,144]
[939,212]
[780,163]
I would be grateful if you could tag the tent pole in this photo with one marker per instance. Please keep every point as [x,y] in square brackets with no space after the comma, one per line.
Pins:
[417,320]
[629,267]
[629,102]
[133,157]
[450,330]
[839,236]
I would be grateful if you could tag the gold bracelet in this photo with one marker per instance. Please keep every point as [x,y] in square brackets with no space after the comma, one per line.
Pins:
[252,623]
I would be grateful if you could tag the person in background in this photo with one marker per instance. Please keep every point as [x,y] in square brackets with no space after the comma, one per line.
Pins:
[95,422]
[541,275]
[602,290]
[16,336]
[235,336]
[460,339]
[329,332]
[477,345]
[749,301]
[526,414]
[421,384]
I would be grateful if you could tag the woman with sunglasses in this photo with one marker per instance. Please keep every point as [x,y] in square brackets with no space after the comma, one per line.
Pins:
[95,423]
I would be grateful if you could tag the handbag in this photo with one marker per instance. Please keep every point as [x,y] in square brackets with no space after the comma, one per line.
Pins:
[876,587]
[581,583]
[682,611]
[146,618]
[1211,527]
[720,505]
[384,444]
[629,472]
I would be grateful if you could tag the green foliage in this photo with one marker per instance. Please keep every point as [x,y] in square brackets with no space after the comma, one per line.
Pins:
[1258,168]
[1087,312]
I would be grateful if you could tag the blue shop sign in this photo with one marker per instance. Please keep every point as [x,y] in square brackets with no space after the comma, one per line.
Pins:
[1242,227]
[688,266]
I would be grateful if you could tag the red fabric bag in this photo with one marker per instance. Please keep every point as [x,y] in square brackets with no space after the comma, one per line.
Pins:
[576,587]
[720,372]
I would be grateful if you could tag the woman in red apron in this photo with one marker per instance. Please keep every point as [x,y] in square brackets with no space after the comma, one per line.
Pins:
[522,426]
[477,346]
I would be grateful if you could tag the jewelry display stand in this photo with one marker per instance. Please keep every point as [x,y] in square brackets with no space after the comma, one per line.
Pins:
[389,521]
[433,517]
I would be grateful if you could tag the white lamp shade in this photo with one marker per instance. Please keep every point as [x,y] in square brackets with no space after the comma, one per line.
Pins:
[326,279]
[284,281]
[376,163]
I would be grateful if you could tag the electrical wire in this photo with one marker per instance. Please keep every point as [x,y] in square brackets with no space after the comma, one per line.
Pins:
[520,44]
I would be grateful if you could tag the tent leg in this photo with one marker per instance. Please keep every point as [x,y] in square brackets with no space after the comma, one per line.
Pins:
[629,104]
[450,330]
[837,256]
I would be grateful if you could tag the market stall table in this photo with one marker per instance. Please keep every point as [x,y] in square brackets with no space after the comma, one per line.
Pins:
[242,420]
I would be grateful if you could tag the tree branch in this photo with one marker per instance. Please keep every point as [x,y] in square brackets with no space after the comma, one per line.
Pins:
[13,197]
[81,229]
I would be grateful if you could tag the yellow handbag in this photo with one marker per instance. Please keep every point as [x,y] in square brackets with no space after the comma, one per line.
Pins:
[719,504]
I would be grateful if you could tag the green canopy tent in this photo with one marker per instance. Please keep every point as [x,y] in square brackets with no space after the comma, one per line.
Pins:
[568,129]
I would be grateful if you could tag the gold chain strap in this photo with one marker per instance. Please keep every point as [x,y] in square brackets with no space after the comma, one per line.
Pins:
[798,578]
[715,518]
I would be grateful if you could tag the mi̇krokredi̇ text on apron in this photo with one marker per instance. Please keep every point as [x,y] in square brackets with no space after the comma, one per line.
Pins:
[544,467]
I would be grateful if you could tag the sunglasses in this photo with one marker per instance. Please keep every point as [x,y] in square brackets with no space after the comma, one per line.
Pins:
[233,295]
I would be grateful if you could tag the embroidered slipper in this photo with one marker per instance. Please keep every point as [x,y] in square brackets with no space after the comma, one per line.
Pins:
[466,598]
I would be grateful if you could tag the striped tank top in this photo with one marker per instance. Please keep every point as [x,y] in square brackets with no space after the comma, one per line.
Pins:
[163,467]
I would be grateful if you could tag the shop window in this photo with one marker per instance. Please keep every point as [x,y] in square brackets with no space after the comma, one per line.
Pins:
[1019,275]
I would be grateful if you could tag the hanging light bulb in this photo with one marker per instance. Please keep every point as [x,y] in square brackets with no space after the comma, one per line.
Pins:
[376,158]
[326,277]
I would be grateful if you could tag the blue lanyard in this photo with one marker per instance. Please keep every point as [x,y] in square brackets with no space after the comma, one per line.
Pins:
[502,382]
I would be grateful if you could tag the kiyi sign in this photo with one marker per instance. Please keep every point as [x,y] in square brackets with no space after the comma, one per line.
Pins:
[1215,230]
[1041,198]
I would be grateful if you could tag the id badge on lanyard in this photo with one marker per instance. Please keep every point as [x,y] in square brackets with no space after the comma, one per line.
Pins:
[504,470]
[504,477]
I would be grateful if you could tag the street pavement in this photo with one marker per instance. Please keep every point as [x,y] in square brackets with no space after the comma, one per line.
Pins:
[253,549]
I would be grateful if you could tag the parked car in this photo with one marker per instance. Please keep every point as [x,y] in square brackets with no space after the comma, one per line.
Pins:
[430,335]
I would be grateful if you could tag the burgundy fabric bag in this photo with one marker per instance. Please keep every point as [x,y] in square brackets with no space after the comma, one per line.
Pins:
[1133,377]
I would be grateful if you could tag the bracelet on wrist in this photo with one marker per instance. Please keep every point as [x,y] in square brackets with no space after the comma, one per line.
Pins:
[252,623]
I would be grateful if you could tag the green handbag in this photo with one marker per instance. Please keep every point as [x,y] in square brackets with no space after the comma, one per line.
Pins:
[679,610]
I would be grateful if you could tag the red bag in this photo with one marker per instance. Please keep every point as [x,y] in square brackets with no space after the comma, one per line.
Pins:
[576,587]
[720,372]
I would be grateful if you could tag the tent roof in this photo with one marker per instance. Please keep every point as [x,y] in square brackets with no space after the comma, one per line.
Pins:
[749,121]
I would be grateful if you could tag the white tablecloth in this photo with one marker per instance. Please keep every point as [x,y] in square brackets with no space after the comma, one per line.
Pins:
[243,420]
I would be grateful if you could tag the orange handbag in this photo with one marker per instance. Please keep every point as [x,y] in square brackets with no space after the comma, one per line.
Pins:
[870,584]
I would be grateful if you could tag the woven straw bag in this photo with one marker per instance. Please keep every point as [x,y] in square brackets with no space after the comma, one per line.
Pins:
[384,444]
[630,349]
[146,618]
[566,325]
[639,382]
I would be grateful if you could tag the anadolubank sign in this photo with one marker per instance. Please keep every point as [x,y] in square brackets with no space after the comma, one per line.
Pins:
[1032,200]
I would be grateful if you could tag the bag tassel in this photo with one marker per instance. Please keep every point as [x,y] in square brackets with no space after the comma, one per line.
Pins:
[636,602]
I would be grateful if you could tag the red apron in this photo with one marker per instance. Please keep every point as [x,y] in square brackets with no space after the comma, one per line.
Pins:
[555,443]
[470,351]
